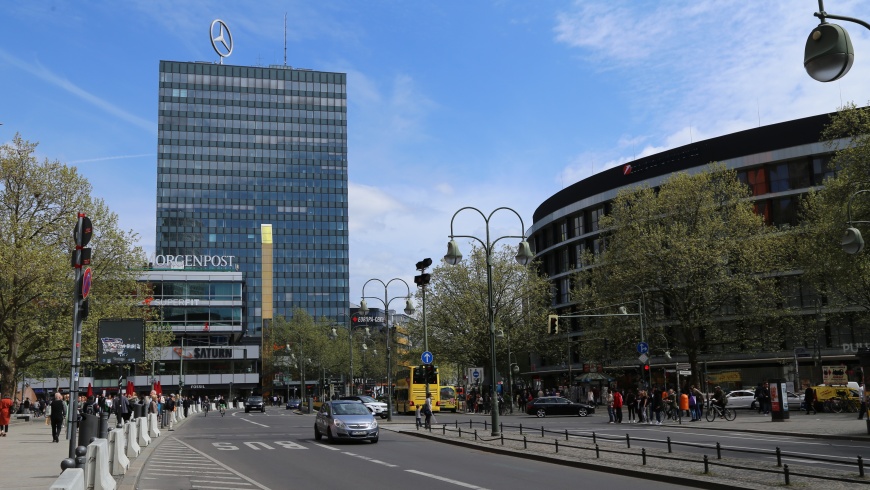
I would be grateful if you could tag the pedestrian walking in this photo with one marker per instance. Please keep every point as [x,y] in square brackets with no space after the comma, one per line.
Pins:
[5,414]
[170,411]
[58,415]
[810,400]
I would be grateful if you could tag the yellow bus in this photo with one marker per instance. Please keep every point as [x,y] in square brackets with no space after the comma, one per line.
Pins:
[410,390]
[449,400]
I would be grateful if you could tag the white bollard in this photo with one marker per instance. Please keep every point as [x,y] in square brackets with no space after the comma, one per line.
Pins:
[143,439]
[153,426]
[97,474]
[118,461]
[70,479]
[131,431]
[211,407]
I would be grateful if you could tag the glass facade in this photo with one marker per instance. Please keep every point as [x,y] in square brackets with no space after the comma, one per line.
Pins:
[243,146]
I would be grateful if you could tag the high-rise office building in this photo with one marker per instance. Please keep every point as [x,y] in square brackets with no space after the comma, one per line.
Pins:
[240,147]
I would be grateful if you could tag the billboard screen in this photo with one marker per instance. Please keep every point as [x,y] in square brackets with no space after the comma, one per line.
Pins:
[121,341]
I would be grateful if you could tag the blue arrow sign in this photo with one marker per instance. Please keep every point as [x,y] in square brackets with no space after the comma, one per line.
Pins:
[427,357]
[642,347]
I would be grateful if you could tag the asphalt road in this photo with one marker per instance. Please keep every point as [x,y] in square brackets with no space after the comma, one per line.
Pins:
[842,454]
[277,450]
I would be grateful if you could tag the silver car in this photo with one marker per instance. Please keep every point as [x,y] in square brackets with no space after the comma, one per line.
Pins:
[345,419]
[376,407]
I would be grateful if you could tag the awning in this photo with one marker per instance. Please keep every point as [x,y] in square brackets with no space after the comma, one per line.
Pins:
[593,377]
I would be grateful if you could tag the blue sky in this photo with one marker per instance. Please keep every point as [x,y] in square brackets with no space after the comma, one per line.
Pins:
[451,104]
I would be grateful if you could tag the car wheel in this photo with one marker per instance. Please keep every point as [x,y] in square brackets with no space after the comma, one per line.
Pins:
[246,411]
[752,406]
[374,440]
[383,415]
[329,435]
[582,412]
[317,435]
[541,413]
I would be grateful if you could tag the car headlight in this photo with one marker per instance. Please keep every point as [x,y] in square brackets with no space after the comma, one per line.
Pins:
[374,424]
[338,424]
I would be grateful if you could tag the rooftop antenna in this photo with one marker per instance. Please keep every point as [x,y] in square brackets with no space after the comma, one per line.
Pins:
[285,38]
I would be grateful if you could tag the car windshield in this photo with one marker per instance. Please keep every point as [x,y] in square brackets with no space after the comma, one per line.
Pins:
[367,399]
[255,399]
[350,409]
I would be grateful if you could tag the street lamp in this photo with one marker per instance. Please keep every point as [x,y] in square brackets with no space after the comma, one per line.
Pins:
[852,241]
[350,328]
[409,310]
[828,54]
[523,257]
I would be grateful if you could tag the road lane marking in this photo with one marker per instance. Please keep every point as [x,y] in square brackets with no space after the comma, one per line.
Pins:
[326,447]
[371,460]
[446,480]
[255,423]
[222,465]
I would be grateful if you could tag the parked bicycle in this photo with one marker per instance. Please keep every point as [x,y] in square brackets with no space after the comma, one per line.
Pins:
[714,411]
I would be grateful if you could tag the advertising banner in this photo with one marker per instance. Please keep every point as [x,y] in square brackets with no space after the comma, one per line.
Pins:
[121,341]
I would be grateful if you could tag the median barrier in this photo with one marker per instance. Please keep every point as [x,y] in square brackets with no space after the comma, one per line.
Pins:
[118,461]
[70,479]
[153,430]
[131,431]
[142,434]
[97,472]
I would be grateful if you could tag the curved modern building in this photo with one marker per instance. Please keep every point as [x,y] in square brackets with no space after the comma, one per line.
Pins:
[779,162]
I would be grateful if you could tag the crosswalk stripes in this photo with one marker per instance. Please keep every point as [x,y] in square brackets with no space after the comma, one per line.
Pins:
[177,463]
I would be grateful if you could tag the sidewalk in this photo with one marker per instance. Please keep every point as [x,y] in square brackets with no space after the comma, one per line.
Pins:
[31,461]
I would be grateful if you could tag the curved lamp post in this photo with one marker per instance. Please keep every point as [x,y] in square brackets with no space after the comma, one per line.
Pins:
[409,310]
[350,328]
[828,54]
[523,257]
[852,241]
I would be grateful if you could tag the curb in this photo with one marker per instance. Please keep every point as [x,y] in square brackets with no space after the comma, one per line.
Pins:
[128,480]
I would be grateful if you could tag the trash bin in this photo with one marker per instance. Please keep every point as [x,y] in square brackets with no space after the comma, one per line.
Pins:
[778,400]
[138,409]
[88,427]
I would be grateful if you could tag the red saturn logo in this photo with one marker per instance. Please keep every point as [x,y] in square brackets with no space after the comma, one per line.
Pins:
[626,169]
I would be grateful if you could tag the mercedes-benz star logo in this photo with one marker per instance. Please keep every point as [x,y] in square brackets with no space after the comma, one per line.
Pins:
[221,38]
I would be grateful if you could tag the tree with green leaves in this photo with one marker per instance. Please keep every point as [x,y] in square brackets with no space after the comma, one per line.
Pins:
[39,206]
[303,345]
[842,279]
[700,257]
[456,310]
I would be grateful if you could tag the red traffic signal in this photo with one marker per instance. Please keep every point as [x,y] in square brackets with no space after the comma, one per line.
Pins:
[646,367]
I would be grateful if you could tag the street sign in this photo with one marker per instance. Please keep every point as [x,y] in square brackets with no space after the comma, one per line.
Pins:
[643,358]
[685,373]
[86,283]
[683,366]
[642,347]
[427,357]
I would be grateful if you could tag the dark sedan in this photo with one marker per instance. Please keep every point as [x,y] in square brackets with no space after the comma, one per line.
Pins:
[556,405]
[294,404]
[255,403]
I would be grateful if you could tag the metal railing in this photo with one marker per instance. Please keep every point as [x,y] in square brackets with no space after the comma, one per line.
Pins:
[596,442]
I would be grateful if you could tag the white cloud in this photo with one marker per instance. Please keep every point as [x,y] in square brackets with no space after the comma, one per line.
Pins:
[700,70]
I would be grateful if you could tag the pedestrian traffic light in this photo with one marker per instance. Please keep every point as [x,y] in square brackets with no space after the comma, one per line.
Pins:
[646,367]
[553,324]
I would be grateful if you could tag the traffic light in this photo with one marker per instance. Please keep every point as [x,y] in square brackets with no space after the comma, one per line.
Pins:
[553,324]
[646,368]
[423,279]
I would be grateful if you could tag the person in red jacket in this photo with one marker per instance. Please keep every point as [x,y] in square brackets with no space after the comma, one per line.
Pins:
[5,414]
[617,405]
